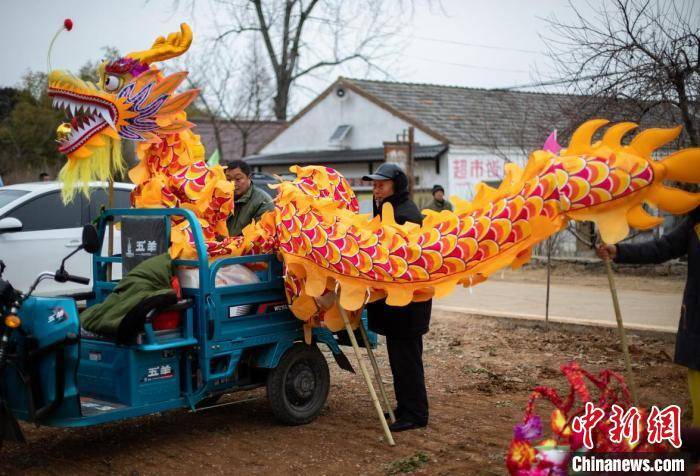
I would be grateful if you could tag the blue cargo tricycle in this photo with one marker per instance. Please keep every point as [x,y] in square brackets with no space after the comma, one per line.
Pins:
[228,338]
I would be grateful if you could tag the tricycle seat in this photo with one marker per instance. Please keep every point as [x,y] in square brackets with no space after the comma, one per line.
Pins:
[151,321]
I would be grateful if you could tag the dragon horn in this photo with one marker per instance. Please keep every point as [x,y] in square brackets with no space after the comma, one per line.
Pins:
[683,166]
[581,138]
[165,48]
[649,140]
[613,136]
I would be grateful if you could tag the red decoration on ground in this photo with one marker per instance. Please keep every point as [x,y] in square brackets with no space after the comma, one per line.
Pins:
[606,399]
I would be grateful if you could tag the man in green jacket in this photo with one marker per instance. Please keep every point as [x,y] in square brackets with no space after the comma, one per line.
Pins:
[439,202]
[249,201]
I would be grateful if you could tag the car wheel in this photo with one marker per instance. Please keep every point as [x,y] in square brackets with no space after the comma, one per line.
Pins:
[298,387]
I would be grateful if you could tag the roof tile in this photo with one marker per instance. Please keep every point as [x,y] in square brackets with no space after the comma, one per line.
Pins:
[497,118]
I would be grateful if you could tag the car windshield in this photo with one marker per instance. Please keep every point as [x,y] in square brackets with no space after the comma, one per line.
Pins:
[7,196]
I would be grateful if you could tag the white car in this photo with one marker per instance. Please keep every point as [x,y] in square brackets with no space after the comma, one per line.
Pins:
[37,231]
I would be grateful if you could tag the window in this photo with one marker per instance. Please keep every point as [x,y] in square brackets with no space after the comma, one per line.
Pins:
[47,212]
[99,197]
[340,133]
[7,196]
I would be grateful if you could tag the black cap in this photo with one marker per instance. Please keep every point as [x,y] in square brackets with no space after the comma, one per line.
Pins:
[386,171]
[438,188]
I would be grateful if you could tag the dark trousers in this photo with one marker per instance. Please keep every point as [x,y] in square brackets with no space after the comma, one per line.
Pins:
[406,360]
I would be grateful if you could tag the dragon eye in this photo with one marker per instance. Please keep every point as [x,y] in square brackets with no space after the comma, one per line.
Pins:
[112,82]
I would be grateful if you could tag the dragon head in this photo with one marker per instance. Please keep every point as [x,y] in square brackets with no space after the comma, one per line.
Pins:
[131,100]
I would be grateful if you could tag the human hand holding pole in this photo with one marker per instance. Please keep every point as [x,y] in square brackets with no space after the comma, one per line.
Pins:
[608,253]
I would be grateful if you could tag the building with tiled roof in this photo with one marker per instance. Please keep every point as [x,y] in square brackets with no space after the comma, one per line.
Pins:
[463,135]
[237,139]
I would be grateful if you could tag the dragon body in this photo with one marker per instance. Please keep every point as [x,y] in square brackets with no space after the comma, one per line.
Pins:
[331,252]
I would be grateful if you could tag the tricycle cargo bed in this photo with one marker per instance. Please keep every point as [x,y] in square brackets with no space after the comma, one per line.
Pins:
[222,339]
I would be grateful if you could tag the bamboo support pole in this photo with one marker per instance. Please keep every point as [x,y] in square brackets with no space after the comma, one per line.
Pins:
[377,374]
[549,282]
[368,380]
[621,331]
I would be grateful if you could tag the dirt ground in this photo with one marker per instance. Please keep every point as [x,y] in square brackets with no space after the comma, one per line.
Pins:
[479,373]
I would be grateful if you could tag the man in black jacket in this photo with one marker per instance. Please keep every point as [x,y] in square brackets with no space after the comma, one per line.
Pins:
[403,326]
[682,240]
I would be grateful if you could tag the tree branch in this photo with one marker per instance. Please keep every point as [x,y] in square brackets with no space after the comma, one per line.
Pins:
[322,64]
[265,30]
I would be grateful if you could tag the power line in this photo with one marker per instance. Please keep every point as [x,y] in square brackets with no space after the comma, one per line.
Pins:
[436,40]
[466,65]
[558,82]
[449,63]
[473,45]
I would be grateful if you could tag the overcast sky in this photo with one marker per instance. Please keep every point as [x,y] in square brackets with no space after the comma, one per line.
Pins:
[441,45]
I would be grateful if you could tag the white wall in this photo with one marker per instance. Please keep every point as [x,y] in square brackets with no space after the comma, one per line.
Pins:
[371,126]
[350,171]
[425,170]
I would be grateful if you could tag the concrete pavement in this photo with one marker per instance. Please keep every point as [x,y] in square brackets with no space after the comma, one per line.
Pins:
[587,305]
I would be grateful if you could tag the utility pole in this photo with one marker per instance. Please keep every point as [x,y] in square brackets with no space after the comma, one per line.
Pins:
[409,162]
[401,153]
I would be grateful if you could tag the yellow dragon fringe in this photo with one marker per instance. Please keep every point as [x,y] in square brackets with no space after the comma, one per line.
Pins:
[326,245]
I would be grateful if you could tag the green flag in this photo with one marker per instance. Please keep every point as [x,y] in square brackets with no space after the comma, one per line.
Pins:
[214,158]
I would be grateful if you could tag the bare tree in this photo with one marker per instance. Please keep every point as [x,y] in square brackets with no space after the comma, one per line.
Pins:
[647,51]
[234,93]
[253,96]
[301,37]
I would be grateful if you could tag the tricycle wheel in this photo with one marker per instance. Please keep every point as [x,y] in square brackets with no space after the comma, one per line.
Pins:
[298,387]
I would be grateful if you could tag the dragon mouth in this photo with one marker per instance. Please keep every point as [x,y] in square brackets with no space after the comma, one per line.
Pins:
[89,115]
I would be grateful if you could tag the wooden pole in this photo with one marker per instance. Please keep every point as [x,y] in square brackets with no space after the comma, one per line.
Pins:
[621,331]
[410,166]
[110,204]
[377,374]
[368,380]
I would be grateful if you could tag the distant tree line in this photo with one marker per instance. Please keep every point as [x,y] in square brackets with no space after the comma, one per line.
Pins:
[28,125]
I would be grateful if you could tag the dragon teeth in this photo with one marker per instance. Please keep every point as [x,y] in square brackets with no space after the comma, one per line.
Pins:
[107,117]
[93,112]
